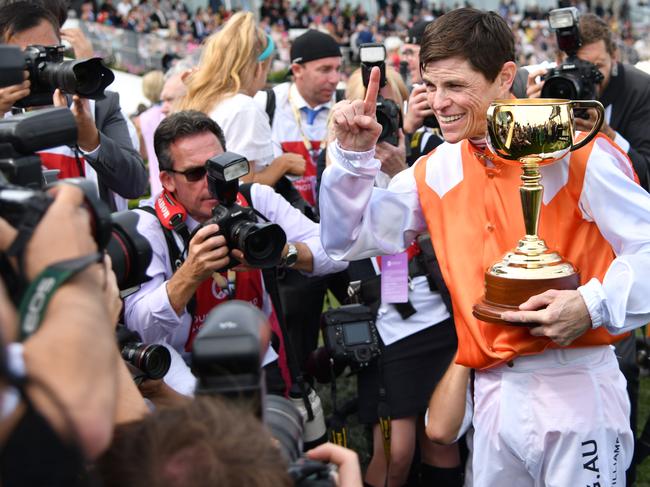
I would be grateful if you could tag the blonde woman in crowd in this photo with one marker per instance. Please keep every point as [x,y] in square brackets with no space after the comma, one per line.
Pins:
[234,66]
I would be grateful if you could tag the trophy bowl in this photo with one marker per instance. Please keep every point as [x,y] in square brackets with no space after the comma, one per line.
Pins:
[530,133]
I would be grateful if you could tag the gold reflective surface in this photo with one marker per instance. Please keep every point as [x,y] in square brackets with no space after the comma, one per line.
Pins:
[533,133]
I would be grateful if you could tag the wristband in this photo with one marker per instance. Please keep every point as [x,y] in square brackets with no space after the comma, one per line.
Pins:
[40,291]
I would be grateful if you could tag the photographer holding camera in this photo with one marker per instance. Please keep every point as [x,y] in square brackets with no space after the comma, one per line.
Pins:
[104,150]
[60,405]
[593,71]
[188,276]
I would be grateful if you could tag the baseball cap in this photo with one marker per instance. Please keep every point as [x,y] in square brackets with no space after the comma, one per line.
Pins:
[313,45]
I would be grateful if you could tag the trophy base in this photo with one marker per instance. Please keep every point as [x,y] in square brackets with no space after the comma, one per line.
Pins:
[506,294]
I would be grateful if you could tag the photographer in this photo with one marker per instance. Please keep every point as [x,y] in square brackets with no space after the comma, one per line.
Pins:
[104,151]
[62,404]
[208,443]
[624,91]
[172,306]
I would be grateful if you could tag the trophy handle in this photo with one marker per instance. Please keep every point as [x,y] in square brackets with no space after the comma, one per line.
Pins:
[599,121]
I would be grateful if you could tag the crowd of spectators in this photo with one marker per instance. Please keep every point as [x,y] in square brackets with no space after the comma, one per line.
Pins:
[172,20]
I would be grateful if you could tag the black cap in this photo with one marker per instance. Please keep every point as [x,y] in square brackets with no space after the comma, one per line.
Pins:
[416,32]
[313,45]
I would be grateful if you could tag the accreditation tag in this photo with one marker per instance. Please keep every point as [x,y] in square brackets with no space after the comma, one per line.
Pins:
[394,278]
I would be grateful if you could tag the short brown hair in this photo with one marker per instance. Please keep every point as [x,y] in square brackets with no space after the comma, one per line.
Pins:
[206,443]
[482,38]
[594,29]
[177,126]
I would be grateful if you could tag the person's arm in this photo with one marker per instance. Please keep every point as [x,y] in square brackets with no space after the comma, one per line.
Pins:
[357,221]
[74,391]
[621,209]
[118,164]
[448,409]
[300,231]
[287,163]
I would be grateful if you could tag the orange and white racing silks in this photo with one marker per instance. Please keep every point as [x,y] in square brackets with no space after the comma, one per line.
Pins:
[471,205]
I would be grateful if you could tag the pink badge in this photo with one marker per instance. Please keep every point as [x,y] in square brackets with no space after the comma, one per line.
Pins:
[394,278]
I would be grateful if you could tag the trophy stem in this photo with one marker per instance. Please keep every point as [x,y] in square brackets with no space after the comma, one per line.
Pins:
[531,192]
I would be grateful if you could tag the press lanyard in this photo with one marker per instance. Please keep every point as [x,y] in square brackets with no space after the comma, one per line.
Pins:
[305,140]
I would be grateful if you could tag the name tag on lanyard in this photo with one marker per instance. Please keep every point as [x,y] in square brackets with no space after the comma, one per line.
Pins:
[394,278]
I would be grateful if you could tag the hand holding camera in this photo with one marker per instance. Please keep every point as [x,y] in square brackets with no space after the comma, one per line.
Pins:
[208,252]
[11,94]
[88,135]
[393,158]
[418,109]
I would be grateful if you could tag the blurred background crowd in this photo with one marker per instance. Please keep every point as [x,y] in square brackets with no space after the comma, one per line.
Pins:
[138,36]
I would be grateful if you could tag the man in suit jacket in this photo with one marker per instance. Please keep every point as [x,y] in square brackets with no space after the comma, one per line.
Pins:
[104,150]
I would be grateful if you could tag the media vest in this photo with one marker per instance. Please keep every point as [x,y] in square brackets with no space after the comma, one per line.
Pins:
[473,213]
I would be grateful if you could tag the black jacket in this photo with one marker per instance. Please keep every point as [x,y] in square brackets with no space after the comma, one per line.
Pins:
[629,95]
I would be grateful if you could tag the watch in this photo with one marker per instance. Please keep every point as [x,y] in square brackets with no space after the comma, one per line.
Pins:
[291,258]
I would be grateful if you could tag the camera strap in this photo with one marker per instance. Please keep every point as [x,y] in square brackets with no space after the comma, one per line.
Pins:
[40,291]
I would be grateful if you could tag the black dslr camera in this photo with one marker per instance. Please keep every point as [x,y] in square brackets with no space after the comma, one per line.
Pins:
[48,71]
[23,204]
[261,243]
[574,79]
[226,362]
[350,334]
[389,115]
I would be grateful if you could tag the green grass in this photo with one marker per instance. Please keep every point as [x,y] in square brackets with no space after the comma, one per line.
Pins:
[643,471]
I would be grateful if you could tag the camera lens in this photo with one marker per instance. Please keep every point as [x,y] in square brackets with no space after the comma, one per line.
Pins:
[262,243]
[285,423]
[561,87]
[130,252]
[153,360]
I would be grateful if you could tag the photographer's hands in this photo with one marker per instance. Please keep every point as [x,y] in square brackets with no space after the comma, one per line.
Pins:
[87,133]
[393,159]
[347,461]
[355,122]
[11,94]
[418,109]
[207,253]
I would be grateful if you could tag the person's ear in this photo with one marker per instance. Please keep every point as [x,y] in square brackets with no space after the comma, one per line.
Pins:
[506,76]
[167,181]
[296,70]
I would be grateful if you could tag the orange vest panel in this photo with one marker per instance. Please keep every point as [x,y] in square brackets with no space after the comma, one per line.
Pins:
[478,220]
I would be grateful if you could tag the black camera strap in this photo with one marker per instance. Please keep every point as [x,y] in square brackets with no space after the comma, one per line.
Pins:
[176,255]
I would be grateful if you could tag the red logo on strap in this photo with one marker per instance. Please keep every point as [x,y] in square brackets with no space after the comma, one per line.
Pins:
[168,210]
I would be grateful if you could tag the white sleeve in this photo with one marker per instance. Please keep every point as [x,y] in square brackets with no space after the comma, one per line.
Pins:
[359,220]
[621,209]
[248,133]
[148,311]
[297,226]
[179,376]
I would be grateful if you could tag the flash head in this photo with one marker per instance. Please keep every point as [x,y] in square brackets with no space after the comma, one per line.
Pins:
[224,172]
[562,18]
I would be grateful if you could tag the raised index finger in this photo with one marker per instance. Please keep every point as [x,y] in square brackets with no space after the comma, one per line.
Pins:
[370,101]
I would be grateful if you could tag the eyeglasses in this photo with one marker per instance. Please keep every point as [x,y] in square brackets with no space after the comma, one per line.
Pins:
[193,174]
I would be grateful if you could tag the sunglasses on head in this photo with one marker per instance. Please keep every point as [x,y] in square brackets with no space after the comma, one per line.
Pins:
[193,174]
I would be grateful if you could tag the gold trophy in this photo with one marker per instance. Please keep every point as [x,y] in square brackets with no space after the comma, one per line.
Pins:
[530,133]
